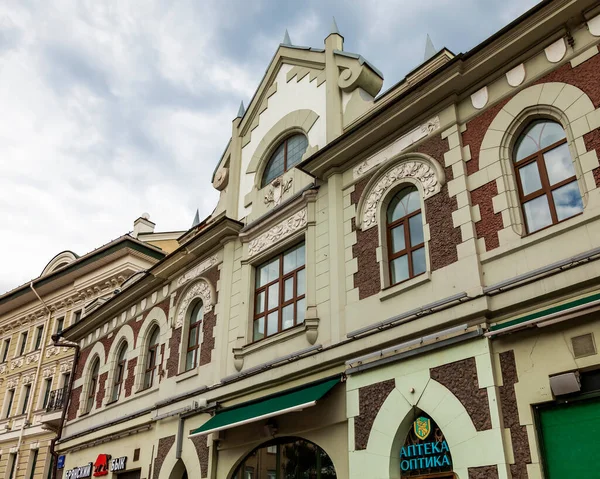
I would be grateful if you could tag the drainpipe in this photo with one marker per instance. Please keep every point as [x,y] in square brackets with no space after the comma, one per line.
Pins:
[75,346]
[29,405]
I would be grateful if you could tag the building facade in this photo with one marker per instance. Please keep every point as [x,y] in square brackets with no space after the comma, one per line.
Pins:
[34,374]
[391,285]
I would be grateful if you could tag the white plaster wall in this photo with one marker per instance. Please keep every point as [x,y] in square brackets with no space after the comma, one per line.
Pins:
[289,97]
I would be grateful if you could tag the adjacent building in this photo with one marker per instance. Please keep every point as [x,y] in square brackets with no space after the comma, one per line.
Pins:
[34,374]
[397,284]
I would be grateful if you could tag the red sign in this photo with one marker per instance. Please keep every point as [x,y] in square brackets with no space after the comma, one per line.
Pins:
[101,465]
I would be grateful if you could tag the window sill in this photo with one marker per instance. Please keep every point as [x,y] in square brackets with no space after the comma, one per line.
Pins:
[309,327]
[400,288]
[187,375]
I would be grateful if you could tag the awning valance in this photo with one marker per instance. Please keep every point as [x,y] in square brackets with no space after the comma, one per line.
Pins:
[547,316]
[285,402]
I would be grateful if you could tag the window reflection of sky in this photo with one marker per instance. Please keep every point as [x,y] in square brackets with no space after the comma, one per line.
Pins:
[559,164]
[537,213]
[530,178]
[536,137]
[567,200]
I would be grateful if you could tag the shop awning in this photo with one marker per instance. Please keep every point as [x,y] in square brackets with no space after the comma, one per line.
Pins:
[288,401]
[548,316]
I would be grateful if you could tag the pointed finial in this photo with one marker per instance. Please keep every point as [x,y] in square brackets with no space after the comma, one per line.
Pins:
[334,28]
[241,111]
[196,219]
[429,48]
[286,38]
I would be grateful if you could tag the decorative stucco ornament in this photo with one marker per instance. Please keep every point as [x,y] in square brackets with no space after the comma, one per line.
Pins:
[221,179]
[480,98]
[197,270]
[556,51]
[417,170]
[33,358]
[516,76]
[594,25]
[397,146]
[201,289]
[278,188]
[278,232]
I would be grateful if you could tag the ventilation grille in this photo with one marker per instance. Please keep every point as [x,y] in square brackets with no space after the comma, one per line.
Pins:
[583,345]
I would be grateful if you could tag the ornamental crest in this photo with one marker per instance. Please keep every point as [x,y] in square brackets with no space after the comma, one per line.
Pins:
[418,170]
[201,289]
[422,427]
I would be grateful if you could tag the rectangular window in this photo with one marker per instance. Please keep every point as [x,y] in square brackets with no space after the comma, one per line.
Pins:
[47,389]
[279,298]
[60,323]
[23,345]
[39,334]
[65,380]
[33,455]
[26,393]
[5,349]
[12,459]
[76,317]
[10,396]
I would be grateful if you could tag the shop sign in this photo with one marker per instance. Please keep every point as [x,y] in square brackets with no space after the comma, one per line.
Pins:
[79,472]
[425,450]
[60,463]
[105,464]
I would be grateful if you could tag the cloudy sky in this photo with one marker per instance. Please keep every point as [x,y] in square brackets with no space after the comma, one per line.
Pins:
[112,108]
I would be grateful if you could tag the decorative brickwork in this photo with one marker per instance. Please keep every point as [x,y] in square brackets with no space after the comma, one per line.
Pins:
[107,343]
[201,445]
[130,380]
[510,412]
[370,400]
[592,142]
[490,222]
[74,403]
[161,371]
[173,361]
[101,390]
[584,77]
[164,446]
[79,367]
[367,278]
[444,236]
[485,472]
[460,378]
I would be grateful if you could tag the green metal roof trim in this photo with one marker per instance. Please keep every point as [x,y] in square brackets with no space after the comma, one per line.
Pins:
[546,312]
[84,261]
[266,407]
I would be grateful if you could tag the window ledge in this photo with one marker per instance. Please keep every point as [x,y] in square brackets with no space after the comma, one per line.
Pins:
[397,289]
[187,375]
[309,327]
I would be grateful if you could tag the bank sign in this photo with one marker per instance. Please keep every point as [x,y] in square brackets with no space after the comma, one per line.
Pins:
[425,449]
[101,467]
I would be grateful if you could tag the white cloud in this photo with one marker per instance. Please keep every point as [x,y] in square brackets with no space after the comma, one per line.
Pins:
[114,108]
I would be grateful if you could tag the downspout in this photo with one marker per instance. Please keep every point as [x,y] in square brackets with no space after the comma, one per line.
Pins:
[29,405]
[65,405]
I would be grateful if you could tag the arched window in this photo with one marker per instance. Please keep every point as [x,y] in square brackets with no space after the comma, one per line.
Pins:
[286,155]
[406,246]
[151,355]
[119,371]
[193,344]
[546,179]
[92,385]
[286,458]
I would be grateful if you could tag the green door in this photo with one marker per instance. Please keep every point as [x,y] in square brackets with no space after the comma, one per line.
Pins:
[571,440]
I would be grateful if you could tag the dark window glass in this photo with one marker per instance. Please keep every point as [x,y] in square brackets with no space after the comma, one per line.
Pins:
[406,241]
[12,458]
[286,155]
[23,346]
[5,350]
[47,389]
[92,385]
[193,345]
[279,297]
[34,456]
[76,316]
[119,372]
[39,334]
[27,392]
[11,397]
[60,322]
[151,359]
[546,179]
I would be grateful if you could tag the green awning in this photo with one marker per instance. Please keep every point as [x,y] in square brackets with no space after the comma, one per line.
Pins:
[580,303]
[293,400]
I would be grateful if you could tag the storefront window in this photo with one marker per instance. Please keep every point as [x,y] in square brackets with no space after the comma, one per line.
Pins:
[286,458]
